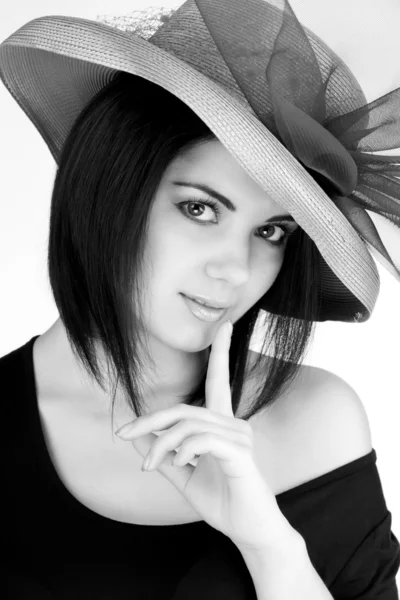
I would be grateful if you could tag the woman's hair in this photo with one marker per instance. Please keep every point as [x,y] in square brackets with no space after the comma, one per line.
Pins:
[109,171]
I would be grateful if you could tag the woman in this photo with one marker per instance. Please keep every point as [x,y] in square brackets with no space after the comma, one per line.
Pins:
[153,206]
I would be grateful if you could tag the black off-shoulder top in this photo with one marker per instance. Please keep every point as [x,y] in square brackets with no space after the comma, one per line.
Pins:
[59,549]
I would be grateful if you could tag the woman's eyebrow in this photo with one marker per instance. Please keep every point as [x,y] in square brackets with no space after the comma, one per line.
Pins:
[225,201]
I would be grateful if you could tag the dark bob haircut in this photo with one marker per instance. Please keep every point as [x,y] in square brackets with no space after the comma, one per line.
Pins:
[110,168]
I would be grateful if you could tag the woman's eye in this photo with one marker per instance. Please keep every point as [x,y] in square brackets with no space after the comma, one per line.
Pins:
[184,207]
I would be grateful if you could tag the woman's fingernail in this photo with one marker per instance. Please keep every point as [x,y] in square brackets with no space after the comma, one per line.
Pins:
[124,430]
[146,463]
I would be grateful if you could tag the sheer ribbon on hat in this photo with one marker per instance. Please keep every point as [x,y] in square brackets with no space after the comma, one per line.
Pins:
[334,148]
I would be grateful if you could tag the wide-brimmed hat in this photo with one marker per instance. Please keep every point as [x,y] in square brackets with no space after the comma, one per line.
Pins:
[276,96]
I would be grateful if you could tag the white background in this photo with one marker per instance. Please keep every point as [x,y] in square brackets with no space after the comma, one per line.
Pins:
[365,34]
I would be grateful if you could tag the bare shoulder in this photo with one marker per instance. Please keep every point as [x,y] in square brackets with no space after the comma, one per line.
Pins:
[318,424]
[333,412]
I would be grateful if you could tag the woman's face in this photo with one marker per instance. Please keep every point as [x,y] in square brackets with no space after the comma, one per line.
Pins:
[234,256]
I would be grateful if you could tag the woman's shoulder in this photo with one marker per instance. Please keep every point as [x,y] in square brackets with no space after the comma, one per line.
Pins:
[314,392]
[318,424]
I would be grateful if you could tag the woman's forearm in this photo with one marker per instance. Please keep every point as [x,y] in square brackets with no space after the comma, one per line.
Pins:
[286,574]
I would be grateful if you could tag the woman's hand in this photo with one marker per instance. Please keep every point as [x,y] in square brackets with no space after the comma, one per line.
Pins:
[225,488]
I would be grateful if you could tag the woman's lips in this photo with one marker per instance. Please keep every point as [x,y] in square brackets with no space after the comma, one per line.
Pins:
[204,313]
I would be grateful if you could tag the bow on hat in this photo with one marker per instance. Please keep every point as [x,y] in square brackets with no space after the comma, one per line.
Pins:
[334,148]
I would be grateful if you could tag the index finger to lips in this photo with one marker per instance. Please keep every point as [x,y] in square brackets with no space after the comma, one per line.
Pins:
[218,393]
